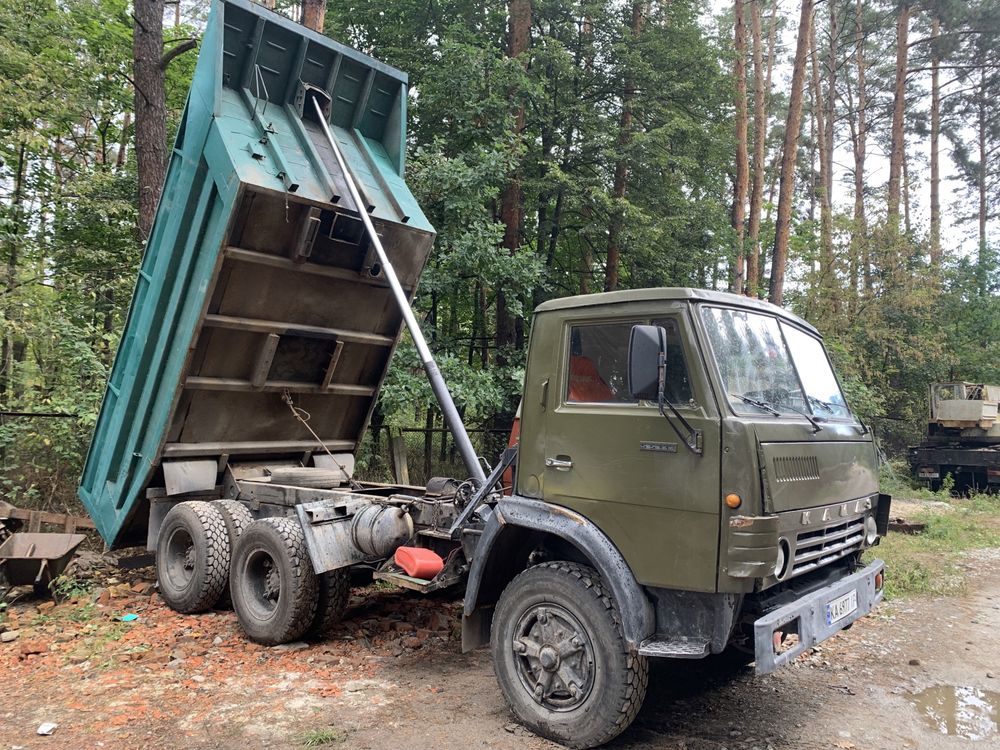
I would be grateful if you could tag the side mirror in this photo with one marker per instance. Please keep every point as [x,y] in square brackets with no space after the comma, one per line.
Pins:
[647,350]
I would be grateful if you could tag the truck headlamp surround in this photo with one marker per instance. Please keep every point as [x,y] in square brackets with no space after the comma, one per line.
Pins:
[871,530]
[781,562]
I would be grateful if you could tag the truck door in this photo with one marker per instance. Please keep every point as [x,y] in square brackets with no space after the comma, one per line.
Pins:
[621,464]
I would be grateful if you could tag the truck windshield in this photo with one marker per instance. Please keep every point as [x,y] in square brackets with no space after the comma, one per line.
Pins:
[770,367]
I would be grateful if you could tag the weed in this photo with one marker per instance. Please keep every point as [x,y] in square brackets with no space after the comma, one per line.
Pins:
[320,737]
[927,564]
[84,613]
[65,587]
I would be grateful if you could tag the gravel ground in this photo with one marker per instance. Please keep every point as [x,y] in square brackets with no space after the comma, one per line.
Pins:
[393,676]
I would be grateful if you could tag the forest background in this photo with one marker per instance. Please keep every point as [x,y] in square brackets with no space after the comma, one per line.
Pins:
[840,157]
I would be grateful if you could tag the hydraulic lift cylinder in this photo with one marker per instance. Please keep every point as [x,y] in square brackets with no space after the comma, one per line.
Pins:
[440,388]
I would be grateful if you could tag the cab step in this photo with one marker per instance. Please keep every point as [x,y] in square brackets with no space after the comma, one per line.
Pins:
[675,648]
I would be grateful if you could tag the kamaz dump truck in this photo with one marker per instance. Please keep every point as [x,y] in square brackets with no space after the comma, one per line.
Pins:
[689,479]
[963,438]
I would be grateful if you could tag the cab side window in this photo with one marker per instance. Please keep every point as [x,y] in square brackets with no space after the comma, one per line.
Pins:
[678,384]
[598,364]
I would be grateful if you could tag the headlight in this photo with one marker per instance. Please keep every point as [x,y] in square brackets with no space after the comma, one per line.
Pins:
[782,560]
[871,531]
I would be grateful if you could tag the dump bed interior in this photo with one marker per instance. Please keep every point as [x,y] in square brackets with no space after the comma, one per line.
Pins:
[258,284]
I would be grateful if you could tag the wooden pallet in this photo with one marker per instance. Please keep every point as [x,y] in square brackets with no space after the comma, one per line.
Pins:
[35,518]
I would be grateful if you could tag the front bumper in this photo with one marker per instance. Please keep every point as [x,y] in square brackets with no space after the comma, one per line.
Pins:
[807,616]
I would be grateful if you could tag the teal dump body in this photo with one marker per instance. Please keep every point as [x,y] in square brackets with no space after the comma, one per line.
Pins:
[258,283]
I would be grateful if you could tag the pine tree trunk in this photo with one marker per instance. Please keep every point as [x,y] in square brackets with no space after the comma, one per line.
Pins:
[150,108]
[906,194]
[982,94]
[742,159]
[826,286]
[897,138]
[620,184]
[782,228]
[759,149]
[123,142]
[935,238]
[512,198]
[8,345]
[860,144]
[314,14]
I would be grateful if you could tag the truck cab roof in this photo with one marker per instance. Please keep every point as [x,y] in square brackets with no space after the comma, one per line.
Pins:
[672,294]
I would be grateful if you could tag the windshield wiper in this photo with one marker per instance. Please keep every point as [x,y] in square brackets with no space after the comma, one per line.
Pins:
[820,402]
[812,420]
[769,408]
[759,404]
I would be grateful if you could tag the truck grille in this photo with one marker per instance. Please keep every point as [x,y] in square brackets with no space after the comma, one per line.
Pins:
[818,547]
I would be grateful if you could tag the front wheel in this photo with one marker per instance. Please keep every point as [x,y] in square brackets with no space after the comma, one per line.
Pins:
[561,659]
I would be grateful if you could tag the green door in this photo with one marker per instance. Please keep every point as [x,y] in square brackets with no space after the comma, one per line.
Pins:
[619,462]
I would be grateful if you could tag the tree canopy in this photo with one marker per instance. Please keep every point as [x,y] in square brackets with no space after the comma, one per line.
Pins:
[559,148]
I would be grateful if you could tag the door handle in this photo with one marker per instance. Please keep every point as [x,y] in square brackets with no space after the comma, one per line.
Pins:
[559,463]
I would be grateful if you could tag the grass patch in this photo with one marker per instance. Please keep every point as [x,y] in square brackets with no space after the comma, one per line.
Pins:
[321,737]
[928,564]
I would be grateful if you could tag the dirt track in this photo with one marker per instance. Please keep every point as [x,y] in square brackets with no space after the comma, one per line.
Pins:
[393,677]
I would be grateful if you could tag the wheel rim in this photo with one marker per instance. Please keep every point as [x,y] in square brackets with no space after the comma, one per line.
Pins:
[181,558]
[261,584]
[553,657]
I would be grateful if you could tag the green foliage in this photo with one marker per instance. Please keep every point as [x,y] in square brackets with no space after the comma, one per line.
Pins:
[69,249]
[928,564]
[65,587]
[68,238]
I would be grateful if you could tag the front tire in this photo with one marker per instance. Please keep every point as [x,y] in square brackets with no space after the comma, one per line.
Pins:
[272,581]
[561,659]
[192,557]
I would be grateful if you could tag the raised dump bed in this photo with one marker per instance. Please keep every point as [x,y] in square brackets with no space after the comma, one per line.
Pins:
[259,285]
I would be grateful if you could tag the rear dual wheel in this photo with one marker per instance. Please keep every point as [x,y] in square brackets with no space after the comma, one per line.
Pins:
[277,596]
[203,561]
[273,585]
[192,557]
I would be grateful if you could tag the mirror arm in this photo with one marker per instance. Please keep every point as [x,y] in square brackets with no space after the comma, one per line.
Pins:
[693,439]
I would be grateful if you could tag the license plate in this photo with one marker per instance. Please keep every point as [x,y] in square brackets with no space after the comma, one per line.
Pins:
[841,607]
[927,473]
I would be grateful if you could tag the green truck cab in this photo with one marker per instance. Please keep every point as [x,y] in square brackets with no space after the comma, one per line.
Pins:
[696,450]
[689,479]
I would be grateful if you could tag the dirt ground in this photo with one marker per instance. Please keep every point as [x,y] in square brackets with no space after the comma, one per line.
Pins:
[393,676]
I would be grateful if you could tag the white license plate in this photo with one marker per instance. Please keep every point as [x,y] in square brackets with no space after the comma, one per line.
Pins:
[841,607]
[925,473]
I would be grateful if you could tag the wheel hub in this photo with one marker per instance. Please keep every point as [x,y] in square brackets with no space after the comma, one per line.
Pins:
[549,658]
[272,583]
[260,580]
[554,657]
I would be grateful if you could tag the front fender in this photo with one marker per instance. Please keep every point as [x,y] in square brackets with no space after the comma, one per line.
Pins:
[636,611]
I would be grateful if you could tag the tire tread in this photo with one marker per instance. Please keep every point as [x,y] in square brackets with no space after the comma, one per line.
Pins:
[207,520]
[302,605]
[632,690]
